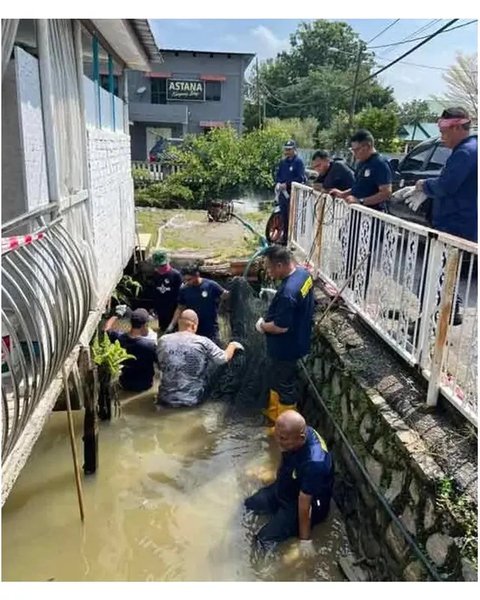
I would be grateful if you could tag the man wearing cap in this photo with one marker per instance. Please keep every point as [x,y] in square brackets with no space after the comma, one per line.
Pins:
[203,296]
[137,373]
[167,282]
[455,191]
[290,169]
[186,360]
[331,173]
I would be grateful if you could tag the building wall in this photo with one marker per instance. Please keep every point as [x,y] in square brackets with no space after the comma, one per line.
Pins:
[112,205]
[191,65]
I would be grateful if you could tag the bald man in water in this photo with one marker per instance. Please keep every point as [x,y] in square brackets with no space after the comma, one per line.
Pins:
[185,360]
[300,496]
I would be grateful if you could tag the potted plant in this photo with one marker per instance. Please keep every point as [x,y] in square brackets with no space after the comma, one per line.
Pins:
[108,356]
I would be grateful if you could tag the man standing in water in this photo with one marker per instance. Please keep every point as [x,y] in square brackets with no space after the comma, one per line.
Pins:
[186,360]
[287,327]
[300,496]
[167,282]
[201,295]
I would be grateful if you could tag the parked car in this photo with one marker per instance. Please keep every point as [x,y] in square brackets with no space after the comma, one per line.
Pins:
[427,159]
[160,150]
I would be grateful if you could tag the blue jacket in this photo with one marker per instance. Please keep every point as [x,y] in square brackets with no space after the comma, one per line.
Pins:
[289,170]
[454,192]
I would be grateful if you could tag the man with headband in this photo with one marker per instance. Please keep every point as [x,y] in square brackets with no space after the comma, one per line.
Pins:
[454,192]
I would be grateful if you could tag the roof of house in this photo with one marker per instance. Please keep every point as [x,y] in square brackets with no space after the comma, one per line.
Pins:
[248,55]
[131,40]
[418,132]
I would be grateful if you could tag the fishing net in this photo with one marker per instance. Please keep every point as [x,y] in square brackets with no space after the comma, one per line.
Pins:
[242,382]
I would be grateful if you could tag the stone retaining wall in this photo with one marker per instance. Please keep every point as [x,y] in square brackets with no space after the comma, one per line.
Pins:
[399,466]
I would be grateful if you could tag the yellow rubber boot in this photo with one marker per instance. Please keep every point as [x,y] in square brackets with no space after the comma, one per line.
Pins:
[271,412]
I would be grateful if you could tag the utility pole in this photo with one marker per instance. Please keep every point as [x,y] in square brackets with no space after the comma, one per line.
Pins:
[354,92]
[259,107]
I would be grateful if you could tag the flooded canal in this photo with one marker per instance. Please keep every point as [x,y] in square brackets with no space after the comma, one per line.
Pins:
[165,505]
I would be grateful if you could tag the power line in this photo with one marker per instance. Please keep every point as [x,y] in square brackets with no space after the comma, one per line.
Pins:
[405,62]
[390,64]
[422,38]
[411,36]
[383,31]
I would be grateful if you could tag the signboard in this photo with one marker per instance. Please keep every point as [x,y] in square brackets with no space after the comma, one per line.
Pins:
[185,89]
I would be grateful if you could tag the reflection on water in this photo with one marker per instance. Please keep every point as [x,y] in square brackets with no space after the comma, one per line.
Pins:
[166,504]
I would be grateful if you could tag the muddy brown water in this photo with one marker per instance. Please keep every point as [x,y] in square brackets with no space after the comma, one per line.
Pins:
[165,504]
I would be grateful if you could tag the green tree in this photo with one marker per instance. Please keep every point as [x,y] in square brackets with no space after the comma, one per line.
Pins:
[315,76]
[383,125]
[301,130]
[415,111]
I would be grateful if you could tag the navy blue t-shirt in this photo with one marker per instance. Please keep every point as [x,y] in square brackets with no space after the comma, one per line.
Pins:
[339,176]
[137,373]
[369,176]
[203,299]
[165,293]
[292,308]
[308,469]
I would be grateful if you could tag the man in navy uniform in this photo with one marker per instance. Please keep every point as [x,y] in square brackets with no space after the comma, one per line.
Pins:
[137,372]
[166,282]
[332,174]
[203,296]
[372,187]
[300,496]
[287,327]
[290,169]
[455,191]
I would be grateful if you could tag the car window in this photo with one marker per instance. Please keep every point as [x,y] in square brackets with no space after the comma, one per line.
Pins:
[439,158]
[414,161]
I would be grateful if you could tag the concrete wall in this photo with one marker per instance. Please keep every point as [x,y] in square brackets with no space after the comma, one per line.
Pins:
[112,205]
[401,464]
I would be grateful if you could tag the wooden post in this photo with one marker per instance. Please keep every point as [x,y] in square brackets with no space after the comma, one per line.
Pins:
[445,310]
[78,480]
[90,422]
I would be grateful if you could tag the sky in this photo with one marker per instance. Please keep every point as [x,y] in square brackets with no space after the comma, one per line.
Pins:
[267,37]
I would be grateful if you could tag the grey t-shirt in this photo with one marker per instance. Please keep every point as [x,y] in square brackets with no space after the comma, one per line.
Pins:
[184,358]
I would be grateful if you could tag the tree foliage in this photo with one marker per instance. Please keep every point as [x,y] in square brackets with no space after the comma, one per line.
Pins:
[382,124]
[219,165]
[415,111]
[313,78]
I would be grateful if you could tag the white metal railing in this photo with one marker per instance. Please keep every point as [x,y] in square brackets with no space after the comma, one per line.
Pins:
[408,282]
[152,171]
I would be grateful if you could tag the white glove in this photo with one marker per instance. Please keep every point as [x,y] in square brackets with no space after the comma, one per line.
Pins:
[415,199]
[402,193]
[237,345]
[120,310]
[258,325]
[306,548]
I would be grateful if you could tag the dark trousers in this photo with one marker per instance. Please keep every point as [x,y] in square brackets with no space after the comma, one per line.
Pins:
[282,376]
[284,204]
[284,521]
